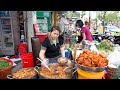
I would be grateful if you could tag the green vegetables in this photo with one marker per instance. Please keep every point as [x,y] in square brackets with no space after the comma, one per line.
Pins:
[105,45]
[3,64]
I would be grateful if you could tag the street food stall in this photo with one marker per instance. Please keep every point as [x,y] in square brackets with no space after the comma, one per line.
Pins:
[88,62]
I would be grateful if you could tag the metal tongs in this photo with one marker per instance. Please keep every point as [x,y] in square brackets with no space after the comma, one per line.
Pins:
[44,64]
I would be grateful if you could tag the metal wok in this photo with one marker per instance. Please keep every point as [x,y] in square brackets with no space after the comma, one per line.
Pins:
[69,75]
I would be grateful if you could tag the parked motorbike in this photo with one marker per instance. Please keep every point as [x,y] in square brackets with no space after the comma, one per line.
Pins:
[97,37]
[117,40]
[111,38]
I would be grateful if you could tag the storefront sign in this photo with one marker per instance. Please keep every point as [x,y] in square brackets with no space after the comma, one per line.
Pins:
[72,15]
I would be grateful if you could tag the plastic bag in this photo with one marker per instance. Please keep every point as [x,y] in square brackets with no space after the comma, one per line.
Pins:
[93,47]
[114,59]
[45,62]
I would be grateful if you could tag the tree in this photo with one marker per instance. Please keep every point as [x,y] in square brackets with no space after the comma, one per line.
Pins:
[101,15]
[111,16]
[107,16]
[98,15]
[82,14]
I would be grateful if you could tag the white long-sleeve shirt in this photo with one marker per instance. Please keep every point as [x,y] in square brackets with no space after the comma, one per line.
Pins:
[62,24]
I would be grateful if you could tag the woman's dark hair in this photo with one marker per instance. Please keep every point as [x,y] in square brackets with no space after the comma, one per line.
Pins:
[56,28]
[79,23]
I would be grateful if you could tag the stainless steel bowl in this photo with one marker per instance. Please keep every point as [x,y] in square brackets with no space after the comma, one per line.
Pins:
[91,69]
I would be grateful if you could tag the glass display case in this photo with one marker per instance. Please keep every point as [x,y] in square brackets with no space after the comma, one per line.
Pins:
[6,34]
[44,21]
[43,25]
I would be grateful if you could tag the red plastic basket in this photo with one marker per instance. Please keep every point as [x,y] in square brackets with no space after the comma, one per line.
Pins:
[6,71]
[27,60]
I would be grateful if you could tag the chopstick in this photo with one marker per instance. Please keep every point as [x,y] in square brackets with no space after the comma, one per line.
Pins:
[44,64]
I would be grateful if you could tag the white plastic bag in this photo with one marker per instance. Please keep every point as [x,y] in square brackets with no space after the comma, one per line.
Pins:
[114,58]
[45,62]
[93,47]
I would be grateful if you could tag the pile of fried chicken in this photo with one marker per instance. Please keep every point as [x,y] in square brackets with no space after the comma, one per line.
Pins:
[92,59]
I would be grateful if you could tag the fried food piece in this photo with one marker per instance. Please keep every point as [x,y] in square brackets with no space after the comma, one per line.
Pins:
[92,59]
[24,73]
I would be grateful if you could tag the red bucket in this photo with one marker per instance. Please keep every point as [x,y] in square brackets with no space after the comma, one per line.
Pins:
[27,60]
[6,71]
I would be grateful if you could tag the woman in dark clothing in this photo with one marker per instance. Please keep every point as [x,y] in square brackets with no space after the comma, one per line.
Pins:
[52,48]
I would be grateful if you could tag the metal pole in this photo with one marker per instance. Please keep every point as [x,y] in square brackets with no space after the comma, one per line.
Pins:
[89,18]
[96,22]
[104,21]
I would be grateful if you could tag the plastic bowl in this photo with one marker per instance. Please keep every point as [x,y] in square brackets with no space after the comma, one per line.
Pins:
[4,72]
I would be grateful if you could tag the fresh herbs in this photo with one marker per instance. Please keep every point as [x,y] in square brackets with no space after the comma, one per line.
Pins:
[3,64]
[105,45]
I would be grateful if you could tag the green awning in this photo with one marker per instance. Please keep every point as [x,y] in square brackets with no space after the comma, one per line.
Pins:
[43,13]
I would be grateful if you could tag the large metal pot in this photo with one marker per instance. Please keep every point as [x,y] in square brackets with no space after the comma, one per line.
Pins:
[32,77]
[70,74]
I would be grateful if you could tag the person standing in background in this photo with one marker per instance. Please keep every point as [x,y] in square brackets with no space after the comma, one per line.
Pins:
[64,25]
[87,24]
[85,31]
[63,22]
